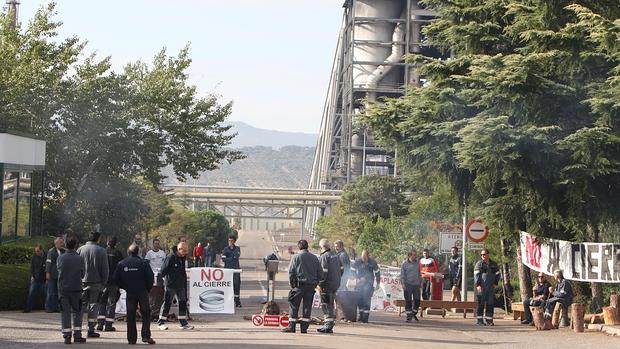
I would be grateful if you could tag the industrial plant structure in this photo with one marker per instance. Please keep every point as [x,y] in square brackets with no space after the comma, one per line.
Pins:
[368,64]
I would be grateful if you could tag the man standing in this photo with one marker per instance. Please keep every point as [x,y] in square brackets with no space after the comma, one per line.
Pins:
[111,294]
[96,272]
[410,279]
[540,295]
[135,276]
[454,271]
[230,256]
[563,293]
[137,239]
[198,255]
[208,255]
[51,275]
[366,272]
[37,277]
[328,284]
[70,268]
[345,262]
[486,277]
[156,258]
[173,270]
[428,267]
[304,273]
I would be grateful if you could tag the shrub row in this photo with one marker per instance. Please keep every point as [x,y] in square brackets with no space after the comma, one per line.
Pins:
[14,284]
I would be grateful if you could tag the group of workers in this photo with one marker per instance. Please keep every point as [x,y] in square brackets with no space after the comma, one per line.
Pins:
[330,272]
[88,280]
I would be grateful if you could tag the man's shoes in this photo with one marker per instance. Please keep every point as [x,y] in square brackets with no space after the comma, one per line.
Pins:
[490,323]
[238,305]
[131,342]
[99,327]
[408,319]
[26,311]
[288,330]
[415,317]
[148,340]
[67,340]
[79,340]
[479,323]
[525,322]
[324,330]
[186,327]
[162,327]
[109,329]
[93,334]
[303,331]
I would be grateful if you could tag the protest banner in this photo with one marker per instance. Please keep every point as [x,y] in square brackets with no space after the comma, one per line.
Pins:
[211,291]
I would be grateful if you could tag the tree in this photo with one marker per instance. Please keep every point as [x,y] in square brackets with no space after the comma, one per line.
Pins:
[105,129]
[523,119]
[374,196]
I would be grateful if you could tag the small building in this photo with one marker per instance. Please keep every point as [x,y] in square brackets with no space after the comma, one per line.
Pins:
[22,165]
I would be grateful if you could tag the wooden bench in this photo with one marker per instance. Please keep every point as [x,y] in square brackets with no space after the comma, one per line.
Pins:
[448,305]
[518,312]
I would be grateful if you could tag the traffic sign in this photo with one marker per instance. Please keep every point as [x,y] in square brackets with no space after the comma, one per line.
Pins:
[476,231]
[475,246]
[449,240]
[261,320]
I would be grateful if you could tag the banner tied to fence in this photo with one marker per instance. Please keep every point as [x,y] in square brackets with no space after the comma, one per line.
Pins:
[585,261]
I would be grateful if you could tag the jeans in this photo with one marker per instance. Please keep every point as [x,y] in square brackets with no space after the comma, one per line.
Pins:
[133,300]
[412,300]
[526,307]
[208,261]
[426,289]
[35,289]
[51,299]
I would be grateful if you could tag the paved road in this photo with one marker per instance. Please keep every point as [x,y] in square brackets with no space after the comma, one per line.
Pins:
[40,330]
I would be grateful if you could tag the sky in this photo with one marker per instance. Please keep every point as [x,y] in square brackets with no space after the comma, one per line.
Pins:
[272,58]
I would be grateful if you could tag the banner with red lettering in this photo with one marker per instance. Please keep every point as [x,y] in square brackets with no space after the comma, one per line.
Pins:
[211,291]
[585,261]
[390,290]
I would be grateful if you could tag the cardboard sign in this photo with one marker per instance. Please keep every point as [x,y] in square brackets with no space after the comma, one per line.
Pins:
[211,291]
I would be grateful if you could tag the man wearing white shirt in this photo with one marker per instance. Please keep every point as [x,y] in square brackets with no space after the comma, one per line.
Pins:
[156,258]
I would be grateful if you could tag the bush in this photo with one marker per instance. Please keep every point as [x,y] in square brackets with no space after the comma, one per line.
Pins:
[21,251]
[14,284]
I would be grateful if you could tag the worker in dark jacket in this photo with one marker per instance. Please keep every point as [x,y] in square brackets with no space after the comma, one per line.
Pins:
[37,277]
[51,275]
[455,266]
[96,273]
[486,277]
[410,279]
[345,262]
[367,273]
[173,270]
[540,293]
[230,256]
[71,270]
[111,294]
[134,275]
[328,284]
[304,274]
[563,293]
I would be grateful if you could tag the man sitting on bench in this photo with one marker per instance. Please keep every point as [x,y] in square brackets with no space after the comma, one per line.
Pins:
[562,293]
[541,294]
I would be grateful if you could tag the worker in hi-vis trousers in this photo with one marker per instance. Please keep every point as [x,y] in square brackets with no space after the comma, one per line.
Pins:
[486,277]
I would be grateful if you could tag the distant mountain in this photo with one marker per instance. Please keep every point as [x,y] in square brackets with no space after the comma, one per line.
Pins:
[250,136]
[287,167]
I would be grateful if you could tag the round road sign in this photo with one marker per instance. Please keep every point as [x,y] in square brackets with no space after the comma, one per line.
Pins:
[476,231]
[284,321]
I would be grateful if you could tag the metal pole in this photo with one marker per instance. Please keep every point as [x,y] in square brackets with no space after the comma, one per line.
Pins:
[463,260]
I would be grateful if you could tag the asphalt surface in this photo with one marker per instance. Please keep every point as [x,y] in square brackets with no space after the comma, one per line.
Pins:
[386,330]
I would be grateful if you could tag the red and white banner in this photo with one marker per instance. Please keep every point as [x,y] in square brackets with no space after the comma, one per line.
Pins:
[585,261]
[269,320]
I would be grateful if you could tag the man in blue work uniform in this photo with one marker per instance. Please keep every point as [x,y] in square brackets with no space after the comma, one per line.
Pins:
[135,276]
[366,272]
[563,293]
[230,256]
[111,294]
[486,277]
[304,274]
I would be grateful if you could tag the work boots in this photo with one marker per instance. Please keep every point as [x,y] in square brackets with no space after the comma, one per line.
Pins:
[290,328]
[304,326]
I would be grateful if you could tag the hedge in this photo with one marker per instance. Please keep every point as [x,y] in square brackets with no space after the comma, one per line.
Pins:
[14,285]
[21,251]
